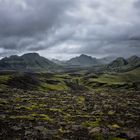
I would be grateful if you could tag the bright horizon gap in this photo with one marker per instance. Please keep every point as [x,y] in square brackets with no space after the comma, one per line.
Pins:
[67,58]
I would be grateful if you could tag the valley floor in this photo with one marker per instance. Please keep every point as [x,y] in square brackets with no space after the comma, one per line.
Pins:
[70,106]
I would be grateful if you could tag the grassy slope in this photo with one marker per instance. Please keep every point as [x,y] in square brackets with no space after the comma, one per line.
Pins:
[67,81]
[118,78]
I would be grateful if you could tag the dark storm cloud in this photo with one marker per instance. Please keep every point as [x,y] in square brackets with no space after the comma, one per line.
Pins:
[68,27]
[24,25]
[137,4]
[25,17]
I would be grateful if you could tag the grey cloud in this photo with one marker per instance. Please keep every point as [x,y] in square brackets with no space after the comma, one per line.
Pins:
[61,27]
[137,4]
[35,17]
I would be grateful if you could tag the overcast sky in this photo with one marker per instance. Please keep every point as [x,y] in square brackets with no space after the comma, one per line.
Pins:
[65,28]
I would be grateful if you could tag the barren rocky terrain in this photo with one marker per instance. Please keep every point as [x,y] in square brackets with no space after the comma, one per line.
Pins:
[70,106]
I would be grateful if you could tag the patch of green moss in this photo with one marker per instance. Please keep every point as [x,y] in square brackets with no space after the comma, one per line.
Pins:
[98,137]
[23,108]
[61,130]
[115,138]
[115,126]
[55,110]
[111,113]
[98,90]
[18,99]
[3,86]
[42,117]
[91,124]
[80,100]
[3,101]
[109,79]
[24,117]
[52,87]
[4,78]
[67,117]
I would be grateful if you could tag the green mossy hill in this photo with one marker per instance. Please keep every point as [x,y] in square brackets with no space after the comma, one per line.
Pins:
[84,81]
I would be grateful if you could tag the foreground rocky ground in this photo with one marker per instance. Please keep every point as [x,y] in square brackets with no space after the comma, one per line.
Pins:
[75,105]
[101,114]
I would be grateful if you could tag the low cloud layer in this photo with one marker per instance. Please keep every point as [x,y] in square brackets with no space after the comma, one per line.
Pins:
[62,29]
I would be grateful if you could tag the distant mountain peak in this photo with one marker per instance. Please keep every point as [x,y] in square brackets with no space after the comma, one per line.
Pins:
[134,60]
[121,59]
[84,55]
[119,62]
[31,55]
[125,64]
[134,57]
[83,60]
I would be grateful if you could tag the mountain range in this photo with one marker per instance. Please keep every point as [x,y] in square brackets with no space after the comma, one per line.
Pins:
[84,60]
[35,62]
[26,62]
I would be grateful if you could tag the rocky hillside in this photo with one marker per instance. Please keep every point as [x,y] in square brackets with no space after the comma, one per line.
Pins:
[121,64]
